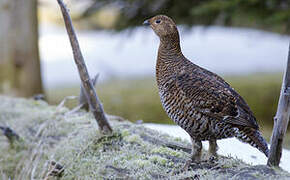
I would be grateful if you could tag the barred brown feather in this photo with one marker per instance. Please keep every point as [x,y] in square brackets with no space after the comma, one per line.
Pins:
[199,101]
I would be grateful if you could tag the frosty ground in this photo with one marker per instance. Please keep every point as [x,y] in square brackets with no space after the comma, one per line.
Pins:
[57,142]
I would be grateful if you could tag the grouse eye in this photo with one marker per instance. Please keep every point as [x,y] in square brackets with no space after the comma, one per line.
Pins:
[158,21]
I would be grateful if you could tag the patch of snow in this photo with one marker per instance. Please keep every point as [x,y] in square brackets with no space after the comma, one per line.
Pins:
[230,146]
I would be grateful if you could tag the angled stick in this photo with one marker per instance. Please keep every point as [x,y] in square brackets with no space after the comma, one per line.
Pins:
[281,119]
[89,89]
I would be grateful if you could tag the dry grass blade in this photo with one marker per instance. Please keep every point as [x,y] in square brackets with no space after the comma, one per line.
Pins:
[61,104]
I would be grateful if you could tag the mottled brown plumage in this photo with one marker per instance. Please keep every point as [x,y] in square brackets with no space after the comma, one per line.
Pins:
[199,101]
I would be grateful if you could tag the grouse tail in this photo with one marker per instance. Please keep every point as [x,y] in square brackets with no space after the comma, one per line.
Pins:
[254,138]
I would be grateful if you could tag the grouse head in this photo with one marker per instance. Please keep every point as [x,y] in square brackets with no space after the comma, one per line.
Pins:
[162,25]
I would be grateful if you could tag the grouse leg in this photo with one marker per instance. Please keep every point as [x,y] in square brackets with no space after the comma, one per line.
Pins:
[196,150]
[212,150]
[195,153]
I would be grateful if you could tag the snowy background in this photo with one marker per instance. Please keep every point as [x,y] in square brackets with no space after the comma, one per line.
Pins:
[219,49]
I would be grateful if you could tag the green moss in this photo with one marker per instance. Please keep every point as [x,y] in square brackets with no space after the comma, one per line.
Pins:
[125,133]
[157,159]
[165,150]
[133,139]
[178,139]
[142,163]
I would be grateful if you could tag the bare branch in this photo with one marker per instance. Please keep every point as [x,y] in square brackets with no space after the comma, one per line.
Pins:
[281,119]
[90,92]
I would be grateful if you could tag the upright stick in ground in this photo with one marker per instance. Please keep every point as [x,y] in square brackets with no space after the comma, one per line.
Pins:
[281,119]
[90,92]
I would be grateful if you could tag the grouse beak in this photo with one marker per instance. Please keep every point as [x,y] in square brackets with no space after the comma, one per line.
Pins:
[146,22]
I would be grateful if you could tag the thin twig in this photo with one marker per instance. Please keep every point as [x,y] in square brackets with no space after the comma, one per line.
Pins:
[116,118]
[170,145]
[65,99]
[90,92]
[82,98]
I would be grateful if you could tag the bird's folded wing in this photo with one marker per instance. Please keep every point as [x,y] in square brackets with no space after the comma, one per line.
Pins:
[211,95]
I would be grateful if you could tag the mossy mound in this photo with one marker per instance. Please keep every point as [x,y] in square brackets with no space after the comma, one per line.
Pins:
[56,142]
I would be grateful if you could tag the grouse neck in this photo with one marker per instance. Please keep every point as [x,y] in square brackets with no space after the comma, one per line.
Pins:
[169,47]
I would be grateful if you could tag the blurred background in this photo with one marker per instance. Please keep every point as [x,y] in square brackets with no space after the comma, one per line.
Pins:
[244,41]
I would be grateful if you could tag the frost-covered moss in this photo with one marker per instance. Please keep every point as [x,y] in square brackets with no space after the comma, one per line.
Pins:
[167,151]
[52,135]
[158,159]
